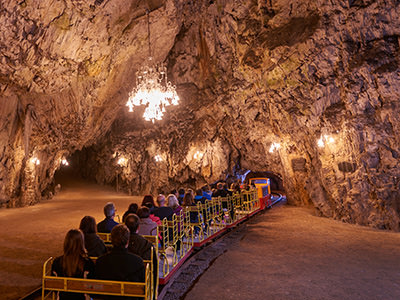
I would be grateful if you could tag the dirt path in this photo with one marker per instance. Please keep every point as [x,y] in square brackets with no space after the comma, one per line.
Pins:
[287,253]
[30,235]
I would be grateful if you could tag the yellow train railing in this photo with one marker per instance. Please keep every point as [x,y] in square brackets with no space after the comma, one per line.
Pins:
[53,284]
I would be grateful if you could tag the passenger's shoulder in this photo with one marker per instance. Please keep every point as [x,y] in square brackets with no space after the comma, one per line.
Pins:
[135,257]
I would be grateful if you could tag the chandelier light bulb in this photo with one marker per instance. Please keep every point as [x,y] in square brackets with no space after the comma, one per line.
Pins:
[64,162]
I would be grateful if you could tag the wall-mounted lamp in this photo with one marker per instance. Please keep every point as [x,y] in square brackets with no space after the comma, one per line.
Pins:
[158,158]
[325,139]
[274,146]
[64,162]
[198,155]
[34,160]
[122,161]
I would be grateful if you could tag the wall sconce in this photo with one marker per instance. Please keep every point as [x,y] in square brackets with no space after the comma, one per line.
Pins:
[64,162]
[34,160]
[274,146]
[198,155]
[158,158]
[122,161]
[325,139]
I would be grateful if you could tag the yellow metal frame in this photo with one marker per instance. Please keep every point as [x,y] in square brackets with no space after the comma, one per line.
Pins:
[94,286]
[198,209]
[106,237]
[154,240]
[164,245]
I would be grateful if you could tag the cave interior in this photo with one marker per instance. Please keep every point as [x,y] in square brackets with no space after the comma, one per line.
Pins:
[306,92]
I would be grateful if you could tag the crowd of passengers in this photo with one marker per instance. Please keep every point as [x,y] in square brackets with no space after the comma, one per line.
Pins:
[124,261]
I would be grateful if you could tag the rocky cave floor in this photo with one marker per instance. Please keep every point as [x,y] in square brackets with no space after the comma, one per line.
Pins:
[284,253]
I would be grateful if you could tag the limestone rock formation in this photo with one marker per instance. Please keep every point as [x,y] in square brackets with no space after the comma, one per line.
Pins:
[321,78]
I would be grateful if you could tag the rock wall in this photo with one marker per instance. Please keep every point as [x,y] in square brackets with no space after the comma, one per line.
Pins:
[321,78]
[66,69]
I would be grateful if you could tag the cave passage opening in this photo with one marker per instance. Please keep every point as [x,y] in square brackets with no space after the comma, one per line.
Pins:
[77,170]
[276,180]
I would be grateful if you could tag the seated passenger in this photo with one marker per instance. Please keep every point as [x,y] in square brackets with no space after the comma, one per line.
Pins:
[163,211]
[148,201]
[108,223]
[221,191]
[73,263]
[139,245]
[93,243]
[175,192]
[174,204]
[235,186]
[119,264]
[194,215]
[146,225]
[132,209]
[181,193]
[207,193]
[199,196]
[190,191]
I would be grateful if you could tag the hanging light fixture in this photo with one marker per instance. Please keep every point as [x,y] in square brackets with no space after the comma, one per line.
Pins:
[152,87]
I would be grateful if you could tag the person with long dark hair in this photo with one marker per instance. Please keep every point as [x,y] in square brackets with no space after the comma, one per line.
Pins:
[148,200]
[73,263]
[93,243]
[132,209]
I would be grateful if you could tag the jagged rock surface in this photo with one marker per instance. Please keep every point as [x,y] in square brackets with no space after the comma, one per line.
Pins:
[249,73]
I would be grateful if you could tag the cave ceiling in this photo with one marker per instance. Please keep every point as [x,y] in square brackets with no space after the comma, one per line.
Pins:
[319,78]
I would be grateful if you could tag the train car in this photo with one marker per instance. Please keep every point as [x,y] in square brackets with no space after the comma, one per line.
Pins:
[263,186]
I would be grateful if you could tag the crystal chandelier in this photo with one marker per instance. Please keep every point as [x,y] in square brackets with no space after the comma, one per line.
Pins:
[152,88]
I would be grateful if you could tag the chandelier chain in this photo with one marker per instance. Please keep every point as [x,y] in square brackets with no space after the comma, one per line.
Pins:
[148,30]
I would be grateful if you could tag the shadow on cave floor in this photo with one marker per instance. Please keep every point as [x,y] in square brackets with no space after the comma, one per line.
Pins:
[32,234]
[289,253]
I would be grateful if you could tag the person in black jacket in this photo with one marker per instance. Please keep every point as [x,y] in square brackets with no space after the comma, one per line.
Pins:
[222,191]
[163,211]
[132,209]
[119,264]
[93,243]
[139,245]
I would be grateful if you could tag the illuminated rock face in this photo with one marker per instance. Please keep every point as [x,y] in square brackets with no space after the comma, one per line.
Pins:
[66,70]
[319,78]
